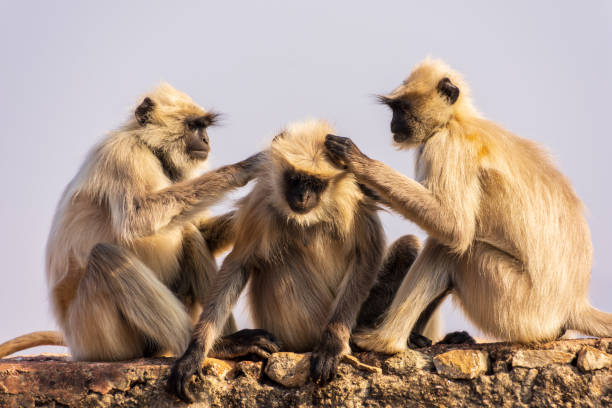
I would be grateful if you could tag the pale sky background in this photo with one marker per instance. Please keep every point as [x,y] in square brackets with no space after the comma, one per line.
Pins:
[71,71]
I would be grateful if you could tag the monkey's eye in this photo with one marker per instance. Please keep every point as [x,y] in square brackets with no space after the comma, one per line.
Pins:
[197,123]
[399,104]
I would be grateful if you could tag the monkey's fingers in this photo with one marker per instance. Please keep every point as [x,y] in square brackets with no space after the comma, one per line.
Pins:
[336,151]
[323,368]
[258,351]
[178,384]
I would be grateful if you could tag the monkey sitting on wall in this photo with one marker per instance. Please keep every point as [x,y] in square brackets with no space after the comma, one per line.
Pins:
[131,252]
[310,244]
[507,233]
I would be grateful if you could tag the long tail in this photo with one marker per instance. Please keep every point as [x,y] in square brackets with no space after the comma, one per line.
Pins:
[592,322]
[38,338]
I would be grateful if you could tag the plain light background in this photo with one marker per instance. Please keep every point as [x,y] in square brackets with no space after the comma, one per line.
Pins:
[71,71]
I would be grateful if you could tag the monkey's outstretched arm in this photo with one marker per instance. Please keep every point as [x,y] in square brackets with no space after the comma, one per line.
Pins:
[181,202]
[450,220]
[229,283]
[218,232]
[366,263]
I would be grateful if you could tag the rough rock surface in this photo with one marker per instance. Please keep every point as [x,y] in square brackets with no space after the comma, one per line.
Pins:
[410,379]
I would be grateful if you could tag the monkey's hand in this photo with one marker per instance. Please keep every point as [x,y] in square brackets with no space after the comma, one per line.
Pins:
[343,153]
[256,342]
[184,368]
[325,358]
[246,170]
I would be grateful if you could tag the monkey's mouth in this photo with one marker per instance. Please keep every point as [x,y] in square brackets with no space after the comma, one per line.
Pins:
[300,209]
[199,154]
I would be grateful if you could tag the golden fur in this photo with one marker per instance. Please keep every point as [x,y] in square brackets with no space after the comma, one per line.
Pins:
[506,230]
[308,273]
[130,253]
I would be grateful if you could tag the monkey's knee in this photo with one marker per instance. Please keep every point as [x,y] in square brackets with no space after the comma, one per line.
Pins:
[140,315]
[402,254]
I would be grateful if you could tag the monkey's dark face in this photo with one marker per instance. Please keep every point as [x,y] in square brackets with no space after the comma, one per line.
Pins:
[302,191]
[417,115]
[196,139]
[181,135]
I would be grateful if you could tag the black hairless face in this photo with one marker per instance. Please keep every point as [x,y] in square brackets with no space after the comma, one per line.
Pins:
[302,191]
[416,115]
[196,138]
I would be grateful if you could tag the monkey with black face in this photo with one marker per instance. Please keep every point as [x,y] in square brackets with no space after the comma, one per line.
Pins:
[131,252]
[310,244]
[490,202]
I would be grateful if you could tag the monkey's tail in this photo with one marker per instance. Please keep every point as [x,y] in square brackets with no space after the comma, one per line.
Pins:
[38,338]
[592,322]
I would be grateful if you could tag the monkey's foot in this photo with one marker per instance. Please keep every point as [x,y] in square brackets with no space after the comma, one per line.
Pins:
[458,337]
[247,342]
[370,340]
[417,340]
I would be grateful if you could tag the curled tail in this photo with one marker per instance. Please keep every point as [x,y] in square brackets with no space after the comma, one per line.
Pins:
[38,338]
[592,322]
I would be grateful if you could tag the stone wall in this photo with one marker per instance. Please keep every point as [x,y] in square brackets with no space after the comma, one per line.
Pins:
[565,373]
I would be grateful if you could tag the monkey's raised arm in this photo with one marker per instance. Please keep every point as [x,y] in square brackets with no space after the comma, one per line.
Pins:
[142,215]
[228,284]
[356,285]
[450,216]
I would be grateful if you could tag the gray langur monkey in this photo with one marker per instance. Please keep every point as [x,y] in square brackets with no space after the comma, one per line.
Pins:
[310,245]
[507,234]
[131,252]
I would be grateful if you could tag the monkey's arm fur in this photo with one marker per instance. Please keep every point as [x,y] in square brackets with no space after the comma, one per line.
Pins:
[229,283]
[139,215]
[451,224]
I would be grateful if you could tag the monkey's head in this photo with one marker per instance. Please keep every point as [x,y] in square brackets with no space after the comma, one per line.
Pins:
[306,187]
[427,101]
[174,127]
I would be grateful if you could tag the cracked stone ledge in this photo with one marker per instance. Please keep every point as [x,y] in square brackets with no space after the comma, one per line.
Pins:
[562,373]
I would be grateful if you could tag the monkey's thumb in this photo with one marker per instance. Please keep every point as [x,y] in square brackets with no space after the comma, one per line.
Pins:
[38,338]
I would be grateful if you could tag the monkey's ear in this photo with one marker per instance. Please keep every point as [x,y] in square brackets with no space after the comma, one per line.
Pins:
[143,111]
[448,90]
[279,136]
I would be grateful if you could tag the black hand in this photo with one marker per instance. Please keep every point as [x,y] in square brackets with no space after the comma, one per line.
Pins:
[323,367]
[184,368]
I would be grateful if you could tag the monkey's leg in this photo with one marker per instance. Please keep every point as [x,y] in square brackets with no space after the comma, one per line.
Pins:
[399,259]
[427,279]
[122,310]
[198,270]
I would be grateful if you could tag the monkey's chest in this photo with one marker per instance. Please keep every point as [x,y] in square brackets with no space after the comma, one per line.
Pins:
[159,252]
[293,298]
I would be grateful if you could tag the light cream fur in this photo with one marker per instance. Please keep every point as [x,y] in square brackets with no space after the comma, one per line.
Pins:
[304,275]
[118,237]
[506,229]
